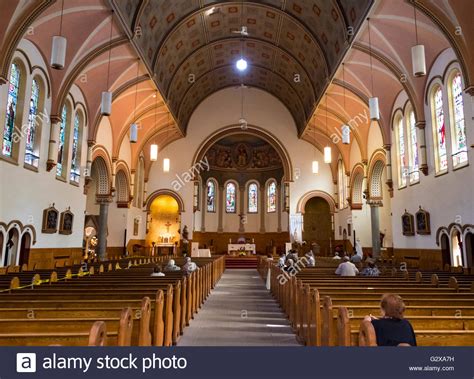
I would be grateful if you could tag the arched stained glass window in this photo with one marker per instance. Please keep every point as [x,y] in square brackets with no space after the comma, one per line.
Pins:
[62,142]
[12,101]
[271,197]
[211,196]
[459,125]
[439,131]
[230,198]
[402,159]
[76,154]
[413,148]
[31,157]
[253,198]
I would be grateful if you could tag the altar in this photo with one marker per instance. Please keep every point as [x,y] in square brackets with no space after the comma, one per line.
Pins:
[241,249]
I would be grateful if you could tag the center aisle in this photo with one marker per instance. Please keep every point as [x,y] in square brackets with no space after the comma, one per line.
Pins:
[239,312]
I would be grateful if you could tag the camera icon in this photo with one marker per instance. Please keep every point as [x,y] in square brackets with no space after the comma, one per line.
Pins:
[26,362]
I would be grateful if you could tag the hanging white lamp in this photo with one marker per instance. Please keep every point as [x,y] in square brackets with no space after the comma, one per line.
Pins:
[153,152]
[133,133]
[374,108]
[59,46]
[166,165]
[106,103]
[315,167]
[418,56]
[346,134]
[327,154]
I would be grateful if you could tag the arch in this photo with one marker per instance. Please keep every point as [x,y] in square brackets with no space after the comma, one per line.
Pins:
[24,249]
[101,175]
[10,252]
[77,137]
[300,206]
[469,246]
[456,239]
[376,167]
[438,117]
[445,244]
[318,223]
[357,179]
[122,189]
[168,192]
[254,131]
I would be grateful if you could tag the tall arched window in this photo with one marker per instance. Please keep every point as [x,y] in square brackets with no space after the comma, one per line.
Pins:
[230,198]
[12,109]
[211,196]
[31,150]
[402,159]
[439,131]
[76,148]
[62,143]
[271,197]
[253,198]
[458,129]
[414,168]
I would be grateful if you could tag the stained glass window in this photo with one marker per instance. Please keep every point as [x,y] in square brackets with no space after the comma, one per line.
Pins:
[31,157]
[12,101]
[459,132]
[253,198]
[402,163]
[211,196]
[440,131]
[413,147]
[61,143]
[75,161]
[271,197]
[230,198]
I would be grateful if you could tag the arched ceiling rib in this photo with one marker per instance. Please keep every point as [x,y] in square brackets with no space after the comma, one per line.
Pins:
[287,39]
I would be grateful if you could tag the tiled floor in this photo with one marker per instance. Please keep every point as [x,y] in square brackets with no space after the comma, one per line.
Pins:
[239,312]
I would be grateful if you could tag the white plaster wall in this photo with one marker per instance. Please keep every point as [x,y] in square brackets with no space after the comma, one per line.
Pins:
[448,197]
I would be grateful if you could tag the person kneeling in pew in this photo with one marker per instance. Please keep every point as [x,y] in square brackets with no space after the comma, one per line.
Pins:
[157,271]
[391,329]
[347,268]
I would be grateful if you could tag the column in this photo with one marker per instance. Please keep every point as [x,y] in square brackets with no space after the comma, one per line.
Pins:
[53,147]
[132,185]
[90,147]
[365,184]
[242,215]
[280,201]
[114,173]
[375,224]
[203,207]
[102,233]
[263,209]
[145,191]
[348,188]
[420,135]
[336,193]
[220,208]
[388,165]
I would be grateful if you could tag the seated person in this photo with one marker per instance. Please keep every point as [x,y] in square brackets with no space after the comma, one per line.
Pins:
[289,265]
[171,266]
[157,271]
[310,258]
[391,328]
[371,269]
[189,266]
[347,268]
[281,260]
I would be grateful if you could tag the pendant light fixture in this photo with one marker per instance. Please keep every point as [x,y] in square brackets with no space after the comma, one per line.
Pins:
[166,161]
[154,146]
[373,101]
[418,58]
[134,126]
[315,164]
[327,149]
[345,129]
[106,103]
[242,121]
[59,46]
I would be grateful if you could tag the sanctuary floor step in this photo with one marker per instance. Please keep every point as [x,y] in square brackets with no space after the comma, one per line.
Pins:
[239,312]
[240,262]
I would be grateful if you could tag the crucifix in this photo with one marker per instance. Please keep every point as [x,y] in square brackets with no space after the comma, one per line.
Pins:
[168,224]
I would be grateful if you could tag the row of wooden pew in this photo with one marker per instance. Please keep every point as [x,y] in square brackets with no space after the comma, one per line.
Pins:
[113,303]
[327,310]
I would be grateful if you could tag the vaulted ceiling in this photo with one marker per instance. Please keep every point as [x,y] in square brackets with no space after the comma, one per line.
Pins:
[293,47]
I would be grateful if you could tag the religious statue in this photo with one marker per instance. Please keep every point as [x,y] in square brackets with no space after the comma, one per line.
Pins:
[242,156]
[185,233]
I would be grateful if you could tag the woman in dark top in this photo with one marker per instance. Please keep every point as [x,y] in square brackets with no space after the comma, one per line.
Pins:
[392,329]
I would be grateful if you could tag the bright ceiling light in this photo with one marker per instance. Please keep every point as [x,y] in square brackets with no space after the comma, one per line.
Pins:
[241,64]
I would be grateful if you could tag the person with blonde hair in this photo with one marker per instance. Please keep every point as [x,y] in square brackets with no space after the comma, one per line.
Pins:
[392,329]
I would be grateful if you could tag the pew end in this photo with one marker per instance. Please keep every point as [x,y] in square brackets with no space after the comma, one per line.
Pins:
[98,334]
